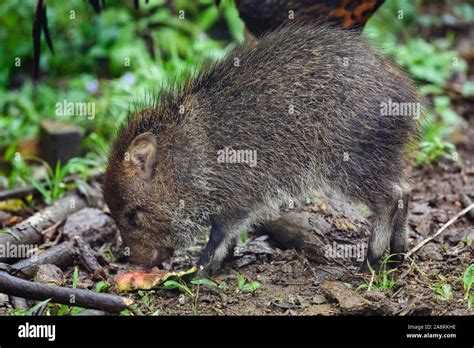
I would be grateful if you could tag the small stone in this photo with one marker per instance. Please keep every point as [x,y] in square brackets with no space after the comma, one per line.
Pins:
[321,309]
[348,299]
[3,300]
[430,252]
[49,274]
[245,260]
[318,299]
[182,299]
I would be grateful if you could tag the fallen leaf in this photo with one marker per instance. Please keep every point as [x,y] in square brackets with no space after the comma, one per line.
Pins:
[146,280]
[12,221]
[12,205]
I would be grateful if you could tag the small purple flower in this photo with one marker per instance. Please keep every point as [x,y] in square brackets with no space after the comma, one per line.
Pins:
[128,78]
[92,86]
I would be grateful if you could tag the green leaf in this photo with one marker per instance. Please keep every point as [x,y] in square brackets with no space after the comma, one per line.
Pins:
[171,285]
[102,286]
[251,287]
[468,279]
[204,281]
[75,277]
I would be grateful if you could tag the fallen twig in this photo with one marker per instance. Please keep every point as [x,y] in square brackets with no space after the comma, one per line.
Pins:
[61,255]
[88,259]
[28,232]
[14,286]
[90,225]
[441,230]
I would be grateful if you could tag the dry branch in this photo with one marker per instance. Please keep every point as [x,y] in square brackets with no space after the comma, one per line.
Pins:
[88,259]
[89,224]
[61,255]
[29,231]
[14,286]
[319,230]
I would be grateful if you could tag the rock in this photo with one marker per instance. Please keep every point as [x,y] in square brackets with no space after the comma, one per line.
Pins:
[318,299]
[349,300]
[430,252]
[327,273]
[49,274]
[245,260]
[257,246]
[3,300]
[462,234]
[321,309]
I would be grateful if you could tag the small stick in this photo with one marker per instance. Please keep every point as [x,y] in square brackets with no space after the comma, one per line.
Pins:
[14,286]
[441,230]
[28,232]
[88,259]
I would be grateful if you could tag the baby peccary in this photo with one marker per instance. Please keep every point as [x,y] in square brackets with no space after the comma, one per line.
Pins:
[308,108]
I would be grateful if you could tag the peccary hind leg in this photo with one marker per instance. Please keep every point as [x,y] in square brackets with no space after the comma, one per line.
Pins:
[388,227]
[398,240]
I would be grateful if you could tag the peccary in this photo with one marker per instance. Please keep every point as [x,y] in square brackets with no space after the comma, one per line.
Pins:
[307,108]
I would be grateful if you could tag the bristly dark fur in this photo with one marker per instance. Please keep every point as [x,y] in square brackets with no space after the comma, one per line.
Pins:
[307,99]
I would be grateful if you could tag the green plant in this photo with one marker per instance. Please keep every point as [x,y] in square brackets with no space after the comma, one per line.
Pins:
[102,286]
[244,286]
[243,237]
[172,285]
[468,280]
[384,278]
[32,310]
[75,277]
[147,297]
[443,289]
[53,187]
[204,281]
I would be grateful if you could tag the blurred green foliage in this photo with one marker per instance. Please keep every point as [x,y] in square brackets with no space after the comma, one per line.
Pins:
[160,43]
[113,60]
[396,29]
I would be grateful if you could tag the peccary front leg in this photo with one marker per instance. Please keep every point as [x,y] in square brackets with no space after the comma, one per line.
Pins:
[383,214]
[217,248]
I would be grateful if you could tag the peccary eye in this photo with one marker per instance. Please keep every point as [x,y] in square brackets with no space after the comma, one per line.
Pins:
[132,217]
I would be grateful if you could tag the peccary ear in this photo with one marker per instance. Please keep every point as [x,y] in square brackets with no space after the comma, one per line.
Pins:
[143,154]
